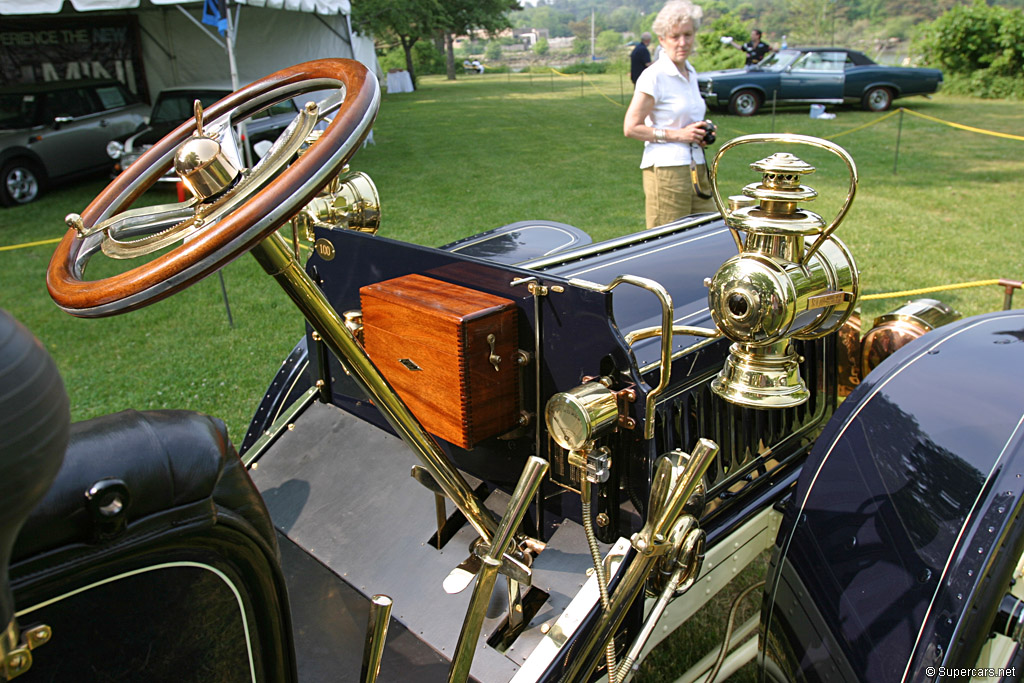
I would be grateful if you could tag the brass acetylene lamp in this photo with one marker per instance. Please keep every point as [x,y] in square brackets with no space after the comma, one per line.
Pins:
[349,201]
[201,163]
[778,287]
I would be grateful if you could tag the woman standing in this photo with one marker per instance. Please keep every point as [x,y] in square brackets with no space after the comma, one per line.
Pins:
[667,113]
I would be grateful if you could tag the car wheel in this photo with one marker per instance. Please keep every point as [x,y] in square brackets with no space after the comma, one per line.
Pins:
[877,99]
[745,103]
[20,182]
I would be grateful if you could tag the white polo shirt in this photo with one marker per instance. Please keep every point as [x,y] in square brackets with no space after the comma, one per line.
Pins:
[677,103]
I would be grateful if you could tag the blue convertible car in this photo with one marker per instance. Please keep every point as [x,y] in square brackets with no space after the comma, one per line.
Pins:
[824,75]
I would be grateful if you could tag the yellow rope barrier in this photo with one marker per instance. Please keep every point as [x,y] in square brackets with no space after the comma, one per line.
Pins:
[963,127]
[866,125]
[617,104]
[929,118]
[592,85]
[928,290]
[30,244]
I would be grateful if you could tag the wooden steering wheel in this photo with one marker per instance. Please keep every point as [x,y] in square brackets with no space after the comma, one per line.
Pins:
[218,232]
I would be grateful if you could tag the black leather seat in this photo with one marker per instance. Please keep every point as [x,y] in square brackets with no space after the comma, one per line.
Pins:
[176,464]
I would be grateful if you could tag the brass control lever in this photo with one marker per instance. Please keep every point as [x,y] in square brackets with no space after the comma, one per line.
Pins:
[529,482]
[376,635]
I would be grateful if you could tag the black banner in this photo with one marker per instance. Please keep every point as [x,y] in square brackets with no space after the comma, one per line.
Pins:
[70,48]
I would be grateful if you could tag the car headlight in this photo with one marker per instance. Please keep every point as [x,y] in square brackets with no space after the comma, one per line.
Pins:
[115,149]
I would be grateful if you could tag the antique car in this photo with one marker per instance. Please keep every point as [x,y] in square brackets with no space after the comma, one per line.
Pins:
[821,75]
[519,457]
[51,132]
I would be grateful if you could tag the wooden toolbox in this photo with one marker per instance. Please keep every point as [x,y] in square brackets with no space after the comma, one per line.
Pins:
[449,353]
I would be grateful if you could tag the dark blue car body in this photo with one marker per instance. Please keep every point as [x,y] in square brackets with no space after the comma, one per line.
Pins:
[823,75]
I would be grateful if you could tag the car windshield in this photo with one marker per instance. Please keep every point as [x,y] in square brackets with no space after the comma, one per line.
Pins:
[779,60]
[175,107]
[17,110]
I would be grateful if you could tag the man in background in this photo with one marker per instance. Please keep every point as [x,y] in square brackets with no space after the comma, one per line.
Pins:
[755,48]
[640,58]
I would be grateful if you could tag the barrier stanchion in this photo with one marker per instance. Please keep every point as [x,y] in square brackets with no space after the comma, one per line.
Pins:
[622,92]
[224,293]
[581,84]
[899,134]
[775,94]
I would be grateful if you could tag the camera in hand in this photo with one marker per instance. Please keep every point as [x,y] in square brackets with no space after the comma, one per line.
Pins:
[709,131]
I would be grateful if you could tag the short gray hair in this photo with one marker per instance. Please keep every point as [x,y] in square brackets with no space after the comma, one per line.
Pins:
[676,13]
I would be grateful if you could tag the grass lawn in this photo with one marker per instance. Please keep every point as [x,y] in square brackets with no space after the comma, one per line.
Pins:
[455,158]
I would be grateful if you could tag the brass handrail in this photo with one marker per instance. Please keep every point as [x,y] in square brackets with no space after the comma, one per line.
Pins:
[665,331]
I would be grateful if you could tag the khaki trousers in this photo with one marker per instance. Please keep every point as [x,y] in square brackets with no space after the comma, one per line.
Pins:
[670,195]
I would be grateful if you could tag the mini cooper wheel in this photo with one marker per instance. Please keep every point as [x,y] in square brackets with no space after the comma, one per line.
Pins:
[745,103]
[246,216]
[877,99]
[20,182]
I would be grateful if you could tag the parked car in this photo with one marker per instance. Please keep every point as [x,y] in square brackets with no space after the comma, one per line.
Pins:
[585,426]
[174,105]
[822,75]
[54,131]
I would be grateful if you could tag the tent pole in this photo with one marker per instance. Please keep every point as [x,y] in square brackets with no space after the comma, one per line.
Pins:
[229,38]
[202,28]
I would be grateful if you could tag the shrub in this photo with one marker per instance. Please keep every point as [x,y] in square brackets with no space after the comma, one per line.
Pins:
[984,84]
[541,47]
[493,51]
[585,67]
[968,39]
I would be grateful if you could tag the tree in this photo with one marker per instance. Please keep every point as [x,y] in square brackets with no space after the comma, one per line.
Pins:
[608,42]
[541,47]
[463,17]
[493,51]
[401,21]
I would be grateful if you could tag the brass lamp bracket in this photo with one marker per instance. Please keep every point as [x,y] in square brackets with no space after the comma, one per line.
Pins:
[16,651]
[594,463]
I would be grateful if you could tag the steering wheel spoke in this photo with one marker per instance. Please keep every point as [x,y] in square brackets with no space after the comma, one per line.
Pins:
[184,220]
[228,222]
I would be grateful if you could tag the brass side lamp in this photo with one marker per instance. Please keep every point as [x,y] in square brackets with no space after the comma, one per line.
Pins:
[350,200]
[777,288]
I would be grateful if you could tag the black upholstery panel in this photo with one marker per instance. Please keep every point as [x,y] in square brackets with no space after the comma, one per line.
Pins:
[167,459]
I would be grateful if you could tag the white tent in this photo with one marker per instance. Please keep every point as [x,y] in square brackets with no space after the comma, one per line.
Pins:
[263,36]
